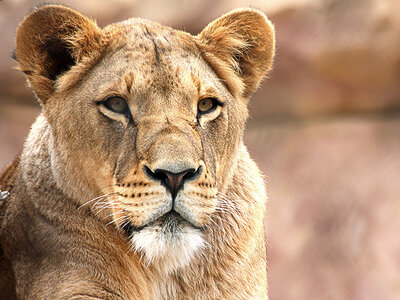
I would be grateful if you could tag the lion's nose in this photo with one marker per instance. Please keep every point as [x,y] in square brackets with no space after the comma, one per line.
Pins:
[173,181]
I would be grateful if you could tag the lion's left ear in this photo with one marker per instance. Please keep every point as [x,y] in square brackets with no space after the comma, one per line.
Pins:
[50,41]
[240,43]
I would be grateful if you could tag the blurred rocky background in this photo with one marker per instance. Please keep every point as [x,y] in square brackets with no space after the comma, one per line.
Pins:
[325,129]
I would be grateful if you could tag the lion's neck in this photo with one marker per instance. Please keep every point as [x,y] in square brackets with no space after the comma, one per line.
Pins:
[43,162]
[35,164]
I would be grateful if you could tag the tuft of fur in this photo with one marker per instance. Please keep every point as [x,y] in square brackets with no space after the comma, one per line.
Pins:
[168,251]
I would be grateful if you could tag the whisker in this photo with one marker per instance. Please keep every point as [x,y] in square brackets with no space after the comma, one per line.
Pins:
[115,220]
[94,199]
[106,205]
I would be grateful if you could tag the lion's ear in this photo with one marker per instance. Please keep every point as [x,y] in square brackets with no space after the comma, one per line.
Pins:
[51,40]
[242,43]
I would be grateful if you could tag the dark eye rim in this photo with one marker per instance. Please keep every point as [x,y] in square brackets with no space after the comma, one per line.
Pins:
[216,103]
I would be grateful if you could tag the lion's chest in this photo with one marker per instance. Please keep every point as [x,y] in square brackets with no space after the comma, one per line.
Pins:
[166,287]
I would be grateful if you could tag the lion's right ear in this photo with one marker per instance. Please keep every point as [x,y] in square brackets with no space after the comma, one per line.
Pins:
[51,40]
[240,43]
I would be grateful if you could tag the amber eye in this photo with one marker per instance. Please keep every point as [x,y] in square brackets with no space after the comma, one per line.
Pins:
[117,105]
[207,105]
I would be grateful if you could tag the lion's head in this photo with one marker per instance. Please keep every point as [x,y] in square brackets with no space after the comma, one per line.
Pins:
[145,120]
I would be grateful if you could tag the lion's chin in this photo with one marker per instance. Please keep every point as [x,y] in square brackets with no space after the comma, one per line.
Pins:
[169,243]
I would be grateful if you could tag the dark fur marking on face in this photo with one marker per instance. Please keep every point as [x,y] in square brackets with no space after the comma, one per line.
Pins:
[128,228]
[156,50]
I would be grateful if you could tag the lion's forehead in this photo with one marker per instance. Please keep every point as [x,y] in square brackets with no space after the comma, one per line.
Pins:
[148,43]
[154,65]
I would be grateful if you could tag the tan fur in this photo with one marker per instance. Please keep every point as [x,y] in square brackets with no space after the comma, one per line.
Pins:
[86,219]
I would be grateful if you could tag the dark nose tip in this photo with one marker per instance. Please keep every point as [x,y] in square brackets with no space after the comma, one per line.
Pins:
[172,181]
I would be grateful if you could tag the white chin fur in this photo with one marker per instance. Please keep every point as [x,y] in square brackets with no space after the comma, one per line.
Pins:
[165,250]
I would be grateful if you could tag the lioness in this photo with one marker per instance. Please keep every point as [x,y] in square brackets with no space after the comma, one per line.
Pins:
[134,182]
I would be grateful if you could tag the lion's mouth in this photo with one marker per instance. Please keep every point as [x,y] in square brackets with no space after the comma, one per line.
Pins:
[170,224]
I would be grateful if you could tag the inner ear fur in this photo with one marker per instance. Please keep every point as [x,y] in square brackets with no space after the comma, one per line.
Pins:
[240,47]
[51,40]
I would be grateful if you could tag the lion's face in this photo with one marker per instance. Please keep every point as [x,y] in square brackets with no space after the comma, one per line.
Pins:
[163,127]
[151,127]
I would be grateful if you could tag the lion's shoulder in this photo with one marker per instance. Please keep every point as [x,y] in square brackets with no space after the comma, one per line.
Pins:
[7,178]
